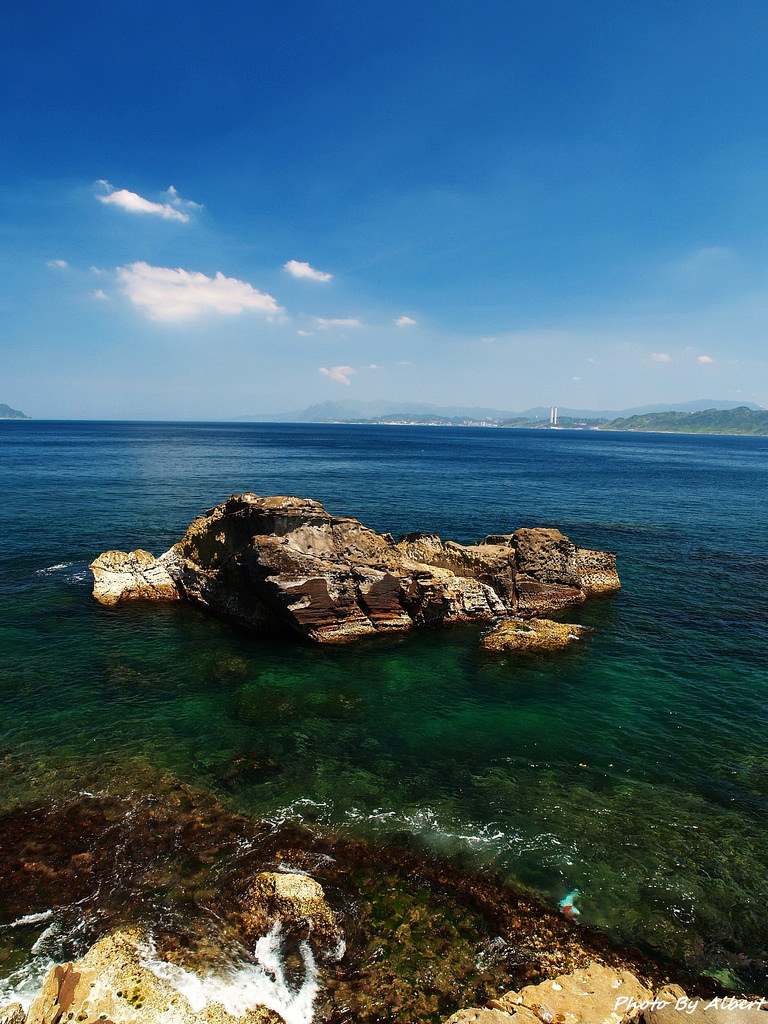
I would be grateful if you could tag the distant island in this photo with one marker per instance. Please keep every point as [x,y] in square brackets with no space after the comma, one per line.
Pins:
[7,413]
[741,420]
[705,416]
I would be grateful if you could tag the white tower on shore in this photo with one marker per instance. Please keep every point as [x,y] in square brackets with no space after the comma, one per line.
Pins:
[553,416]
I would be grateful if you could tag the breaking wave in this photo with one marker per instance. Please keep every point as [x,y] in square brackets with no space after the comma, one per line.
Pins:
[261,981]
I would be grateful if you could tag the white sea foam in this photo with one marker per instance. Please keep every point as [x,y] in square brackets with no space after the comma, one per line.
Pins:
[426,821]
[297,811]
[44,915]
[246,985]
[44,938]
[23,984]
[79,576]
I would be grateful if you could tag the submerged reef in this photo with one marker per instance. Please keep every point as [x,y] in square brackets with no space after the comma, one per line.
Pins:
[286,563]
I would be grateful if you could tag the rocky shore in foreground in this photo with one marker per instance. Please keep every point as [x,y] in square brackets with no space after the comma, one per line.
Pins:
[286,563]
[114,983]
[121,981]
[155,888]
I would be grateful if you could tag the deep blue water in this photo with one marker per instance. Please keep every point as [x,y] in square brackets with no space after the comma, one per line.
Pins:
[633,767]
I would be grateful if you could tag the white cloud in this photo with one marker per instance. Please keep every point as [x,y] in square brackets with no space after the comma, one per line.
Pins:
[176,200]
[167,294]
[57,264]
[405,321]
[100,294]
[350,321]
[305,334]
[174,209]
[706,359]
[298,269]
[403,362]
[576,378]
[342,374]
[660,357]
[373,366]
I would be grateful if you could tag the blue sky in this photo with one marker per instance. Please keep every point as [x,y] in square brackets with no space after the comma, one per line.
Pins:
[208,211]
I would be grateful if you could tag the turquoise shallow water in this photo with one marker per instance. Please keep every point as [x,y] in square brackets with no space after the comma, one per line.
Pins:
[632,767]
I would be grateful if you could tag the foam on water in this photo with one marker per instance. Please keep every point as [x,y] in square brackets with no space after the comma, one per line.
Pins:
[23,984]
[262,981]
[44,915]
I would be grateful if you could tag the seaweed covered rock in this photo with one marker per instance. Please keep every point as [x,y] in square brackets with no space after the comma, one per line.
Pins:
[284,562]
[531,635]
[297,902]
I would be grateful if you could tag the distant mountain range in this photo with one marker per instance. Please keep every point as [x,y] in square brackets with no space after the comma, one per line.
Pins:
[7,413]
[349,411]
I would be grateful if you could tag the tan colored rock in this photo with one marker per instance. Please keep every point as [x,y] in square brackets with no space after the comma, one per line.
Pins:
[597,572]
[298,902]
[132,575]
[285,562]
[491,1015]
[531,635]
[672,1005]
[111,985]
[483,1016]
[13,1014]
[592,995]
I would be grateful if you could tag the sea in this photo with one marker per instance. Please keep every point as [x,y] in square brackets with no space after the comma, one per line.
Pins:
[631,768]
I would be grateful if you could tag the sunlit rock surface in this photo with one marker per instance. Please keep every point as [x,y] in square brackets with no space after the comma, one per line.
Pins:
[598,994]
[297,902]
[531,635]
[285,562]
[112,983]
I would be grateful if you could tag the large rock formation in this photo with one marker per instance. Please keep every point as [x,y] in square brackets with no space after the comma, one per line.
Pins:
[279,561]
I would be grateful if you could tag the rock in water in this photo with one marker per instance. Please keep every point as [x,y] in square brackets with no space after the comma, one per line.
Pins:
[120,576]
[286,562]
[297,902]
[531,636]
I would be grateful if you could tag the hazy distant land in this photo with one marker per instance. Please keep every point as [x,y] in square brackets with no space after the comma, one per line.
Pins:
[706,416]
[7,413]
[741,420]
[702,417]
